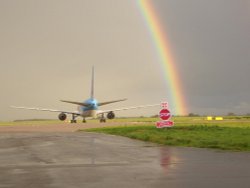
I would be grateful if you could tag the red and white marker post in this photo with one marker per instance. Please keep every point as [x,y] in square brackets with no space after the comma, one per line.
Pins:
[165,115]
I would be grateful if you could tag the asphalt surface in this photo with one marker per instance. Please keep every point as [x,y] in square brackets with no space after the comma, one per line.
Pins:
[79,159]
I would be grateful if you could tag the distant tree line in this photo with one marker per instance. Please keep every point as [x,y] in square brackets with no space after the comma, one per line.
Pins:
[198,115]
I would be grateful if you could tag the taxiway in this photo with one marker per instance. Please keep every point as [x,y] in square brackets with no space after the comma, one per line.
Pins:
[78,159]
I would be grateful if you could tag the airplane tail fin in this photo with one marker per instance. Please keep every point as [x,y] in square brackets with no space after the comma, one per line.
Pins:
[92,83]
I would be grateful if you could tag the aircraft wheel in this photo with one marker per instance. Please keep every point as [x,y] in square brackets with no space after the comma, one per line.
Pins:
[73,121]
[102,120]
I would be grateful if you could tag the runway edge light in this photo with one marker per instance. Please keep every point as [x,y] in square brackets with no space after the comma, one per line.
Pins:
[209,118]
[219,118]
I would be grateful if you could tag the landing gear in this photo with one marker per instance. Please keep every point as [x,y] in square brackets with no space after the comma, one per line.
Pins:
[84,120]
[73,118]
[102,120]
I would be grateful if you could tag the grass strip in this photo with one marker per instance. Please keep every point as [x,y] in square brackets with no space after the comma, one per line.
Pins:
[201,136]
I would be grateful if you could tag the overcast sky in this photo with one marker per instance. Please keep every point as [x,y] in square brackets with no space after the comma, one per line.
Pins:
[48,48]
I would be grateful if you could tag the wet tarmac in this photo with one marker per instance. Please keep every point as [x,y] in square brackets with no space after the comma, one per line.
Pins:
[65,160]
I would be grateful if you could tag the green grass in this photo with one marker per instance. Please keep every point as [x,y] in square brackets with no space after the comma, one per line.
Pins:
[229,121]
[201,136]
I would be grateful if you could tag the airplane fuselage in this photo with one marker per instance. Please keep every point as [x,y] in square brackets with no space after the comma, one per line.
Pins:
[90,110]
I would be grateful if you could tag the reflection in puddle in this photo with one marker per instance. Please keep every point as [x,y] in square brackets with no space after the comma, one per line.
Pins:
[168,159]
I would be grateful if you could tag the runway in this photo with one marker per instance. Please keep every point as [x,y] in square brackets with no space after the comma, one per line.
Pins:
[78,159]
[58,127]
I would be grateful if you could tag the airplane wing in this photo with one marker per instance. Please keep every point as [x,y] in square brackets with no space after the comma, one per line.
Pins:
[99,104]
[44,109]
[77,103]
[126,108]
[109,102]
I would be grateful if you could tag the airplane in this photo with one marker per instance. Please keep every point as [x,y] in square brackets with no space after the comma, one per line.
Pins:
[88,109]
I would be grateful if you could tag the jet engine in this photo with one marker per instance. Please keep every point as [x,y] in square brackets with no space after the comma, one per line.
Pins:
[111,115]
[62,116]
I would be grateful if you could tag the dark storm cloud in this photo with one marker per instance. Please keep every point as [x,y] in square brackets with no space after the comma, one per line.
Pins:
[211,43]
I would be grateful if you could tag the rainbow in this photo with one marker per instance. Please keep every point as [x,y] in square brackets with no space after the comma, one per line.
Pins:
[177,101]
